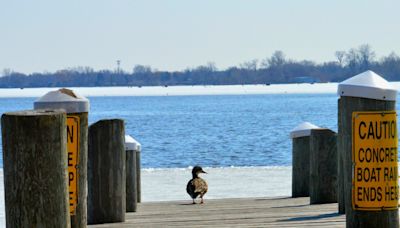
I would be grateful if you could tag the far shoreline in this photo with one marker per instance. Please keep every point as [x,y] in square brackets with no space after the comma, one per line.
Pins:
[179,90]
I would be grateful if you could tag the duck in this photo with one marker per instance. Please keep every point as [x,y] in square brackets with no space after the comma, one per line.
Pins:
[197,186]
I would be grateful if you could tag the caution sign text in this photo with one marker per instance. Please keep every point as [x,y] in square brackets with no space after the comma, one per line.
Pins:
[73,125]
[375,174]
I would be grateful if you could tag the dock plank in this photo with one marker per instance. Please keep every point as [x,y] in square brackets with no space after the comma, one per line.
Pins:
[244,212]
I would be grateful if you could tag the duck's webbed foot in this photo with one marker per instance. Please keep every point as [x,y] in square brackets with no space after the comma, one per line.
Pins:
[202,201]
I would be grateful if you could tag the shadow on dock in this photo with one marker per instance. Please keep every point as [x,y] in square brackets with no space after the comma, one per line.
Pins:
[314,217]
[293,206]
[277,198]
[189,204]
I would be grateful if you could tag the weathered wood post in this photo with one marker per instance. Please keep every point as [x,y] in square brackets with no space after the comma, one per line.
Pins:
[301,159]
[340,171]
[131,147]
[323,166]
[35,168]
[106,172]
[77,108]
[138,172]
[368,126]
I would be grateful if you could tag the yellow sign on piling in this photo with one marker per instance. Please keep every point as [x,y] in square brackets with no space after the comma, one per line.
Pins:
[375,177]
[73,125]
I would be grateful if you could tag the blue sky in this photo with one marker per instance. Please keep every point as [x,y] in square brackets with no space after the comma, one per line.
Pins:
[48,35]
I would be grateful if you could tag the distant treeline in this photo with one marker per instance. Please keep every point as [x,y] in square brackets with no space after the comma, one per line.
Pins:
[271,70]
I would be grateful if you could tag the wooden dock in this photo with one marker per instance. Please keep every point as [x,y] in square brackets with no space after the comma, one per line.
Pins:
[245,212]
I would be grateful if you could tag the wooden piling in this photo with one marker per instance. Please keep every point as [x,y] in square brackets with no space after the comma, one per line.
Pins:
[35,169]
[79,218]
[138,176]
[132,147]
[106,172]
[340,172]
[364,92]
[301,159]
[77,108]
[323,166]
[131,187]
[301,167]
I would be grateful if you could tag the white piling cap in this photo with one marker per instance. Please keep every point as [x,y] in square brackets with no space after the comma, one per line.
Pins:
[367,85]
[303,129]
[132,144]
[63,99]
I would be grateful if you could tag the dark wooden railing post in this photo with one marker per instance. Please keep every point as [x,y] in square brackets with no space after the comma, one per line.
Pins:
[106,172]
[139,173]
[77,108]
[323,166]
[131,147]
[301,159]
[368,147]
[340,171]
[35,168]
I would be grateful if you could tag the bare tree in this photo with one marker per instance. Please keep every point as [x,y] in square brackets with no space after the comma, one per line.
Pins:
[141,69]
[366,56]
[249,65]
[340,56]
[7,72]
[352,59]
[392,57]
[264,63]
[81,69]
[277,59]
[211,66]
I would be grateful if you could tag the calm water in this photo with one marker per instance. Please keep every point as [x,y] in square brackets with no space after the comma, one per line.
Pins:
[213,131]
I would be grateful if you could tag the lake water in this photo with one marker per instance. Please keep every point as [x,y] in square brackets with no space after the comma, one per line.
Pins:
[213,131]
[237,138]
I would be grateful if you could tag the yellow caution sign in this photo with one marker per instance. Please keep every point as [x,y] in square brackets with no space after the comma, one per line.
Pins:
[375,177]
[73,126]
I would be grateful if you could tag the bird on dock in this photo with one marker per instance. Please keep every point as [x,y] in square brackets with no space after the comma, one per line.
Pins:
[197,186]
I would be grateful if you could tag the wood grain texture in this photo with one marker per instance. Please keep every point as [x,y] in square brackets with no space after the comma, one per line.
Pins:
[138,177]
[250,212]
[323,166]
[79,220]
[301,167]
[340,185]
[131,178]
[347,106]
[106,172]
[35,169]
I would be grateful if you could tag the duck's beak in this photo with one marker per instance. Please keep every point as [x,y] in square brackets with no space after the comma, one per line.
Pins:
[203,171]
